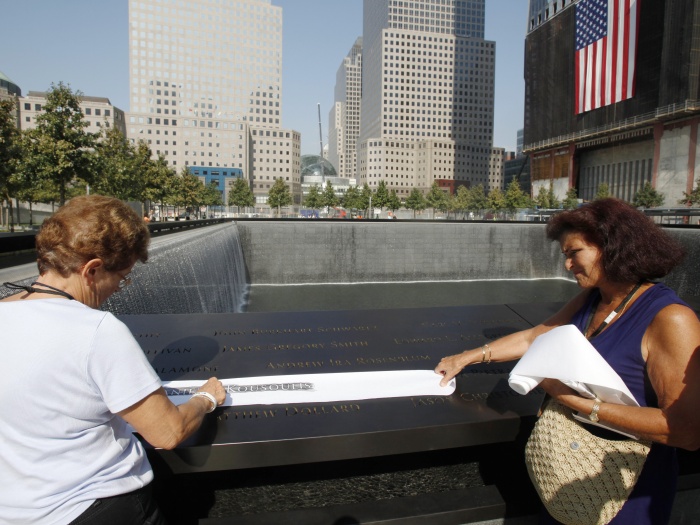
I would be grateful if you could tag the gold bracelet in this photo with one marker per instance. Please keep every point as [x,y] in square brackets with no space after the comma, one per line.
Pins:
[483,354]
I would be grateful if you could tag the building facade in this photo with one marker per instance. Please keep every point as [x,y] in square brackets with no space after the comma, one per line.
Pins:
[206,88]
[650,136]
[98,112]
[427,95]
[344,118]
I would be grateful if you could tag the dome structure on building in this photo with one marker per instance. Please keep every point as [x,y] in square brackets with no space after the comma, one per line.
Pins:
[317,165]
[11,87]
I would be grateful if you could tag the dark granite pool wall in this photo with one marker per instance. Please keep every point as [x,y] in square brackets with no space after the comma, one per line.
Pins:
[355,251]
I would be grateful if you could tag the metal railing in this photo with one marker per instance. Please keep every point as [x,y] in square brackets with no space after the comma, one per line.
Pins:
[663,113]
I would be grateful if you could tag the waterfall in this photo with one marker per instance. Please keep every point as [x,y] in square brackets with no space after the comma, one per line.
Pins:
[197,271]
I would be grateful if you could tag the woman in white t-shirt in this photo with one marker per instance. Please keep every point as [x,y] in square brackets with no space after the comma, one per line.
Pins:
[75,379]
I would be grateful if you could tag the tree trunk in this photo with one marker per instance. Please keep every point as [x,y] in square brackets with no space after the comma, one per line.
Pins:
[12,221]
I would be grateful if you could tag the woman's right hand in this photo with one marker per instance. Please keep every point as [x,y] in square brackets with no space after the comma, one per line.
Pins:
[214,387]
[450,366]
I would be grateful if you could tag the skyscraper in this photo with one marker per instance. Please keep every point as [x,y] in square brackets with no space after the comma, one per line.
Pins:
[206,88]
[427,95]
[344,118]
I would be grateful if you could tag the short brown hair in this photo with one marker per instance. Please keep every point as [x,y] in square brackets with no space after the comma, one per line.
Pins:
[91,227]
[634,249]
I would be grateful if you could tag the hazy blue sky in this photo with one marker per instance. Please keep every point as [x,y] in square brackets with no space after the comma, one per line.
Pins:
[85,43]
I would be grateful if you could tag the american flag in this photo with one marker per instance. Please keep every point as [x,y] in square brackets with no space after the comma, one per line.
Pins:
[606,47]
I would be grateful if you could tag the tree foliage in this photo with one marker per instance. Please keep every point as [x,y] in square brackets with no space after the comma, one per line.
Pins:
[363,200]
[692,198]
[416,201]
[515,197]
[279,195]
[436,198]
[10,153]
[381,196]
[571,200]
[60,147]
[603,191]
[328,197]
[496,200]
[393,202]
[648,197]
[241,194]
[546,199]
[117,170]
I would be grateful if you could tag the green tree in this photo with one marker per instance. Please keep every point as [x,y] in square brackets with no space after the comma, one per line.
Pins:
[416,201]
[115,167]
[364,200]
[241,195]
[351,198]
[496,200]
[159,180]
[515,197]
[381,196]
[60,147]
[477,200]
[313,199]
[11,152]
[692,198]
[542,200]
[648,197]
[393,202]
[211,195]
[460,202]
[603,191]
[553,201]
[571,200]
[279,195]
[328,198]
[189,192]
[436,198]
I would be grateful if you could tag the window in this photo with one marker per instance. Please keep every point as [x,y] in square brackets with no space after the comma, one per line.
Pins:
[88,111]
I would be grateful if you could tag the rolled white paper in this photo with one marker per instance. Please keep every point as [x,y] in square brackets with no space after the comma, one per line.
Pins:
[319,388]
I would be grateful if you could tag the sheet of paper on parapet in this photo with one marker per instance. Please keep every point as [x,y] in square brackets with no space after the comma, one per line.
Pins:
[319,388]
[565,354]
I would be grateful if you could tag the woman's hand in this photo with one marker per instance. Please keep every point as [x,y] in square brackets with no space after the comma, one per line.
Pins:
[450,366]
[215,388]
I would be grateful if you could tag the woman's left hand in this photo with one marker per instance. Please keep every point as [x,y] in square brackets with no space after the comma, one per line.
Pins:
[566,396]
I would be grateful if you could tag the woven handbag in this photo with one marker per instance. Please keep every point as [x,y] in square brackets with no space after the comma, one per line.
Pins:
[582,479]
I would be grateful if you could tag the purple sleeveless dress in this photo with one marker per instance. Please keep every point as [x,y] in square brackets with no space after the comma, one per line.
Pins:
[620,344]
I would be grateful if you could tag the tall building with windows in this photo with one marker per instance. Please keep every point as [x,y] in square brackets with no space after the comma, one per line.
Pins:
[589,129]
[427,95]
[344,118]
[206,88]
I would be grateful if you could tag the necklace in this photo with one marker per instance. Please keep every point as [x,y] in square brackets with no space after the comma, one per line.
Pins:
[611,316]
[32,289]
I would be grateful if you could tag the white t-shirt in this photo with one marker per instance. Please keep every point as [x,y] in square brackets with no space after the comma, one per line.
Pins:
[67,370]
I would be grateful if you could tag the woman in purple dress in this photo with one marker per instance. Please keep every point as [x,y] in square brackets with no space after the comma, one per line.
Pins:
[649,336]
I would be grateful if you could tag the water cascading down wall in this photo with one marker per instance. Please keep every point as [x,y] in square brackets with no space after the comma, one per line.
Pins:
[209,270]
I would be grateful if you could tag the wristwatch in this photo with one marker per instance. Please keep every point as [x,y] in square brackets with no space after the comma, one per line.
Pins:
[593,416]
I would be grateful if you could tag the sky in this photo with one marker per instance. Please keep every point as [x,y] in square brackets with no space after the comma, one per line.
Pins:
[84,43]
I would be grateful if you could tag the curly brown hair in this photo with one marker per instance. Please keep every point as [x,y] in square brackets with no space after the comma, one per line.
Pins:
[634,249]
[91,227]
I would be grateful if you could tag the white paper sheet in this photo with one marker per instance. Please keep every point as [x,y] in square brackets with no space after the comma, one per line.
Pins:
[319,388]
[565,354]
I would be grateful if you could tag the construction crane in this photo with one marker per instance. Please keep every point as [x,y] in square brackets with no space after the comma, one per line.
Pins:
[320,132]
